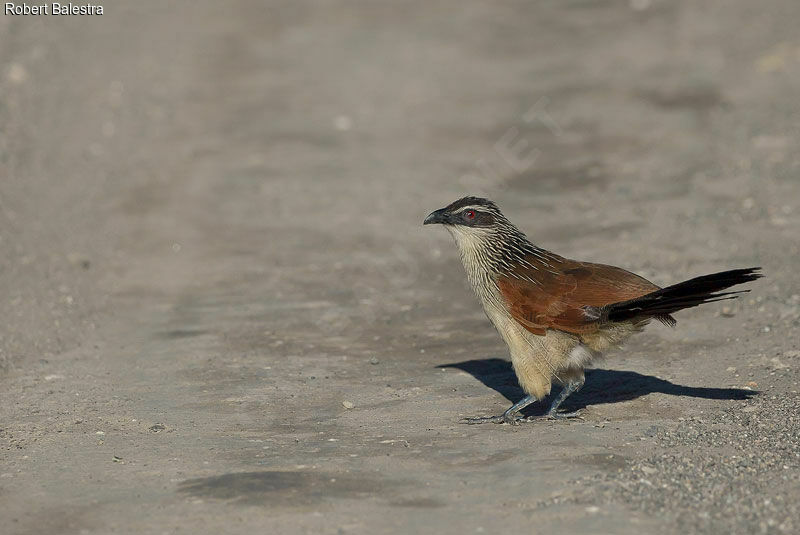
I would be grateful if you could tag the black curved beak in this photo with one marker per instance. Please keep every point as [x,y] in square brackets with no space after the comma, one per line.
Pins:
[437,217]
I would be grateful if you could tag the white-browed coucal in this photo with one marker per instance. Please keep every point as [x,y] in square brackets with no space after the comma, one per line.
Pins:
[558,315]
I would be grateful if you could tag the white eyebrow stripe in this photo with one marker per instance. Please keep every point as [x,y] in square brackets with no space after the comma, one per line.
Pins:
[476,207]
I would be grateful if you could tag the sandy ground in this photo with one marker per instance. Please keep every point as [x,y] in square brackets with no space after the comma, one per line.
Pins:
[211,246]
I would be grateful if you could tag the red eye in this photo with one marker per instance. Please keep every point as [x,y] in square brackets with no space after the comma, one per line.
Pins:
[469,214]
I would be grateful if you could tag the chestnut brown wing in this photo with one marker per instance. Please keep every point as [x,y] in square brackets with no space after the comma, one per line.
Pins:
[567,294]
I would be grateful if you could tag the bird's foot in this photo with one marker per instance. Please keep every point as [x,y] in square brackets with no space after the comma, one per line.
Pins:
[555,415]
[511,419]
[482,420]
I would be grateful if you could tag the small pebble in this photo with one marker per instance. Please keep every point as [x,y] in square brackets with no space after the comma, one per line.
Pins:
[348,404]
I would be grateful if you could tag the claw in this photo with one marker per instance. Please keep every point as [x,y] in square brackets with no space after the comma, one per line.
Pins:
[506,418]
[574,415]
[512,419]
[552,415]
[483,420]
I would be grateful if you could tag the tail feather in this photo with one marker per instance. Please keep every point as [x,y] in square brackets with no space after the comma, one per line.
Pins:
[691,293]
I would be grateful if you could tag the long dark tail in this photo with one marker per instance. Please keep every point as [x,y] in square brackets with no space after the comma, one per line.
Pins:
[661,303]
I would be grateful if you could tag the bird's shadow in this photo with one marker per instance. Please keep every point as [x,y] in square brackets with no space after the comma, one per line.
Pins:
[602,386]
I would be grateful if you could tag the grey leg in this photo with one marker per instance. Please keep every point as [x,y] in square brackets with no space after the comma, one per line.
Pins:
[511,416]
[569,389]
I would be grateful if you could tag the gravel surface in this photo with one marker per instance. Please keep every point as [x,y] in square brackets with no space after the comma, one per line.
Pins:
[221,313]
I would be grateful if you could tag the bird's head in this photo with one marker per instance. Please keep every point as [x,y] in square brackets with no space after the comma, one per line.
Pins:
[487,240]
[467,213]
[476,224]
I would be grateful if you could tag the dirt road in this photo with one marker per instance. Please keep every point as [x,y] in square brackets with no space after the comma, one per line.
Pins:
[221,314]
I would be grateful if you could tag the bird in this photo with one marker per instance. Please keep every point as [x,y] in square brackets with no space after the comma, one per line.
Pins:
[557,315]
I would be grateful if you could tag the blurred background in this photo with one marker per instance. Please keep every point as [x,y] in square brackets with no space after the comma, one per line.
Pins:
[210,221]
